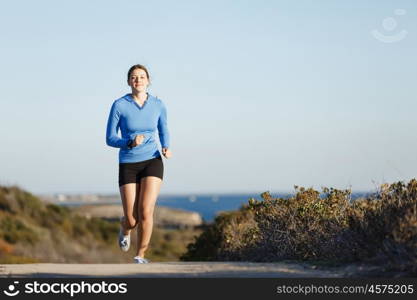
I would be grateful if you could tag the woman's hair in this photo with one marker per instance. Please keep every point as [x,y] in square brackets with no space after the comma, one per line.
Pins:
[134,67]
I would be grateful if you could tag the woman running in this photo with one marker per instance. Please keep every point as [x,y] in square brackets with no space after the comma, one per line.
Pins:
[141,169]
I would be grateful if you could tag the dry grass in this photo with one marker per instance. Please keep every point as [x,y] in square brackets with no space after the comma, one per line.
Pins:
[32,231]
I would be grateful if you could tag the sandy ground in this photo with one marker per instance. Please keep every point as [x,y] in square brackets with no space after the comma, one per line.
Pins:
[180,269]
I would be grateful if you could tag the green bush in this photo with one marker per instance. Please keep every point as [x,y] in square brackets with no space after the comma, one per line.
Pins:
[103,230]
[12,230]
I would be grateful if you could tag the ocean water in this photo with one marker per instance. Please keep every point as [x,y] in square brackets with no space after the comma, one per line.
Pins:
[208,206]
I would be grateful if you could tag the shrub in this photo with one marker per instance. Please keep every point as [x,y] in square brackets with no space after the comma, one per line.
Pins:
[308,226]
[13,230]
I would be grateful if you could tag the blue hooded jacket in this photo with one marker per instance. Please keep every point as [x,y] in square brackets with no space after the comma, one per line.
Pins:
[132,120]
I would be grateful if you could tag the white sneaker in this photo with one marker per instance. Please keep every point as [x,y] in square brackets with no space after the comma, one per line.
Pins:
[124,240]
[140,260]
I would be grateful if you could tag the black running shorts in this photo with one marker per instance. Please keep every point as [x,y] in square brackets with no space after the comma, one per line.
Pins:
[133,172]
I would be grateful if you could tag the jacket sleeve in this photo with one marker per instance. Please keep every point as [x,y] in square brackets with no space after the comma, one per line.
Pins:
[163,127]
[112,138]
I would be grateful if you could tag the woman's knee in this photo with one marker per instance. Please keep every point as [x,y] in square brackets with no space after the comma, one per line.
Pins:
[131,222]
[146,215]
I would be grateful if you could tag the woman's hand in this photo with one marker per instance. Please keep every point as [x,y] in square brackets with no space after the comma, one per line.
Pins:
[166,152]
[138,140]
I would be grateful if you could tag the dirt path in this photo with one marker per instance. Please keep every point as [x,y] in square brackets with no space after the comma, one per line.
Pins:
[177,269]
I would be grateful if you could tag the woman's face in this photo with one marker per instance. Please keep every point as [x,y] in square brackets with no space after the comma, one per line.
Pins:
[138,80]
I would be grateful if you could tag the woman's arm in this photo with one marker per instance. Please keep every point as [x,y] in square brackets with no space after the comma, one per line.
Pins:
[163,132]
[112,139]
[163,127]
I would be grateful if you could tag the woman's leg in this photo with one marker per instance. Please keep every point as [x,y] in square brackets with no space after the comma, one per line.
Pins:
[150,187]
[129,193]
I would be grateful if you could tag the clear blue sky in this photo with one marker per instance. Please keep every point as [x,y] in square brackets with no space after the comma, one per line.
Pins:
[261,95]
